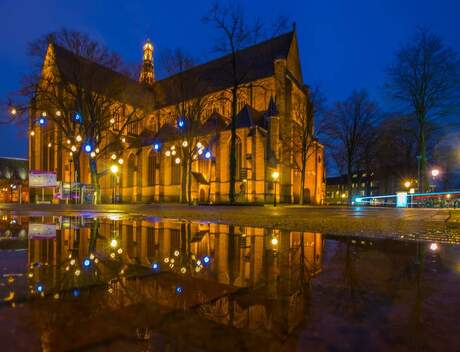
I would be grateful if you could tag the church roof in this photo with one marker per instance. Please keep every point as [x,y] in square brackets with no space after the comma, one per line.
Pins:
[249,117]
[255,62]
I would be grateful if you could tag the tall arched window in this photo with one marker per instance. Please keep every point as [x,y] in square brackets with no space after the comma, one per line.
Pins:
[151,169]
[130,171]
[175,172]
[239,162]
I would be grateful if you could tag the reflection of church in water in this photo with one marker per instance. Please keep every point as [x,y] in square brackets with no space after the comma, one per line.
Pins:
[255,277]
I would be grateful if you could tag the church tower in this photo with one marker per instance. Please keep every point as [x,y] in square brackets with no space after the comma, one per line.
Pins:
[147,75]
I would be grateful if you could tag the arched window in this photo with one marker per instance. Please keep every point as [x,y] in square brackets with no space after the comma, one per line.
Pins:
[151,169]
[175,172]
[238,152]
[130,171]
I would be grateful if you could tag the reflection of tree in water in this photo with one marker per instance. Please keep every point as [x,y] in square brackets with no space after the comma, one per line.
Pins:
[131,302]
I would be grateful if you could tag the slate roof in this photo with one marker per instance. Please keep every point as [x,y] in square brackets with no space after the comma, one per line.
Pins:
[249,117]
[255,62]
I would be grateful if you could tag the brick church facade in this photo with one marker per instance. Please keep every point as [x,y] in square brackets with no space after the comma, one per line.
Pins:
[152,149]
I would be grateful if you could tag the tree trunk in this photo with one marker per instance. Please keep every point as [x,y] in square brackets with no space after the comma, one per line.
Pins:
[303,170]
[423,181]
[95,181]
[233,147]
[189,186]
[183,192]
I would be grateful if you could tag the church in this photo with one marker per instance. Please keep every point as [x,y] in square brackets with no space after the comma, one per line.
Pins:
[178,146]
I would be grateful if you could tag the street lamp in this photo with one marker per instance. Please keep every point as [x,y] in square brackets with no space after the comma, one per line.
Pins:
[407,184]
[114,171]
[275,176]
[434,173]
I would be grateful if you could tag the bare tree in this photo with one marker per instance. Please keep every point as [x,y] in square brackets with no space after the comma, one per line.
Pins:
[83,103]
[235,34]
[188,91]
[347,126]
[306,107]
[424,78]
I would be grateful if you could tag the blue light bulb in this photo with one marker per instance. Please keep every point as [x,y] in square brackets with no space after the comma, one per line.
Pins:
[181,123]
[179,290]
[207,155]
[156,146]
[77,117]
[88,148]
[86,263]
[76,292]
[206,259]
[41,121]
[155,266]
[40,288]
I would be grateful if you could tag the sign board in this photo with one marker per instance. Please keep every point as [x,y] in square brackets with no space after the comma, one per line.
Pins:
[401,199]
[42,231]
[40,179]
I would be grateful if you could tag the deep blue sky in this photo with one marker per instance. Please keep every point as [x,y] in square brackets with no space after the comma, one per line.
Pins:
[344,44]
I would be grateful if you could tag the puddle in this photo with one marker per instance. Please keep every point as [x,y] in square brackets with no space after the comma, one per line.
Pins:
[145,284]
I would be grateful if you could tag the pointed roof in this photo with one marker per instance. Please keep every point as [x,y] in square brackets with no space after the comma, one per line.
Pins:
[255,62]
[272,108]
[248,117]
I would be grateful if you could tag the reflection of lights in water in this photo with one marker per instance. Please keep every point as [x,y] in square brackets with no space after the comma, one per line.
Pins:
[434,247]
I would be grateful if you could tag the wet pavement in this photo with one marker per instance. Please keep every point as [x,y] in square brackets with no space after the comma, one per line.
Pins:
[121,282]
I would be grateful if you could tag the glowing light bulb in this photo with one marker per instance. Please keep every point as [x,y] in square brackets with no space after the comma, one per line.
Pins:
[86,263]
[112,255]
[113,243]
[58,113]
[274,241]
[112,120]
[32,133]
[44,113]
[73,148]
[120,251]
[78,138]
[206,259]
[207,155]
[176,253]
[167,153]
[184,144]
[49,145]
[183,270]
[199,145]
[156,146]
[123,139]
[77,272]
[177,160]
[68,141]
[72,262]
[13,111]
[88,148]
[173,152]
[97,150]
[434,247]
[120,161]
[155,266]
[93,154]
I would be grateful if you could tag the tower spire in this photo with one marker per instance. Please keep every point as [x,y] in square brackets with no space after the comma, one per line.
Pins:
[147,74]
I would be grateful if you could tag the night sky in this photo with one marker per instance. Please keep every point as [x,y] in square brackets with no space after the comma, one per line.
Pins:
[344,44]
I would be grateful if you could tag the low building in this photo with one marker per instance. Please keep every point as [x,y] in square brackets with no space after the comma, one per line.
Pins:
[363,184]
[14,185]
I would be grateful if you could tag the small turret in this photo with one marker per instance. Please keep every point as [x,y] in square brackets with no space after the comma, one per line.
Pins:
[147,74]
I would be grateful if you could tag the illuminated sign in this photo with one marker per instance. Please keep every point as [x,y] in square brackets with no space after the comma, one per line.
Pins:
[42,179]
[401,199]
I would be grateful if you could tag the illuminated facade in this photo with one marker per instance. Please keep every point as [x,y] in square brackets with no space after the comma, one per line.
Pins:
[151,169]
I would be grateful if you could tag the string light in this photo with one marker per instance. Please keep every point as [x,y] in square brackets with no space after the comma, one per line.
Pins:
[112,120]
[123,139]
[177,160]
[70,153]
[78,138]
[13,111]
[68,141]
[206,259]
[73,148]
[49,145]
[155,266]
[184,144]
[77,117]
[167,153]
[44,113]
[97,150]
[274,241]
[113,243]
[179,290]
[86,263]
[32,133]
[114,156]
[176,253]
[173,152]
[207,155]
[41,120]
[120,161]
[93,154]
[88,148]
[58,113]
[77,272]
[156,146]
[199,145]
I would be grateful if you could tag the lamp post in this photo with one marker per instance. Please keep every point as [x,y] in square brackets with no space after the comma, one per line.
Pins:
[114,171]
[434,173]
[70,183]
[275,176]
